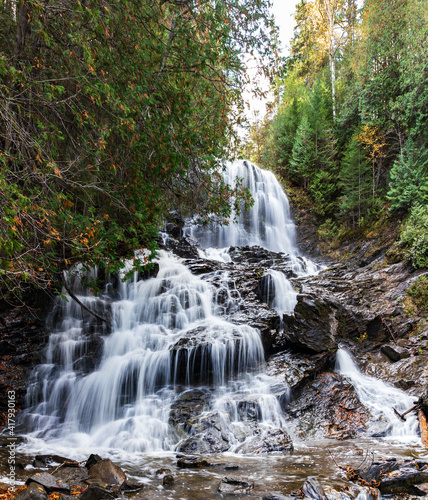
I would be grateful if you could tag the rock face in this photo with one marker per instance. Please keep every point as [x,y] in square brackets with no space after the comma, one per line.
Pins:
[22,337]
[328,408]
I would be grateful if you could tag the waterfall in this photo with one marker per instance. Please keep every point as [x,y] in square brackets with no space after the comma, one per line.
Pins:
[267,223]
[169,334]
[380,399]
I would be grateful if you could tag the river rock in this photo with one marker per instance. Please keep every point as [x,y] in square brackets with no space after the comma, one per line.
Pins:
[168,480]
[396,477]
[209,434]
[75,477]
[95,492]
[49,482]
[276,495]
[267,441]
[192,463]
[107,472]
[235,486]
[313,489]
[33,491]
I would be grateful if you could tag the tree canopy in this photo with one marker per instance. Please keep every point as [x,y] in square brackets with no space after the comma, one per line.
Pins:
[112,114]
[351,127]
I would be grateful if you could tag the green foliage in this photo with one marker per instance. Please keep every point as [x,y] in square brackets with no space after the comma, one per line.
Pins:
[355,182]
[414,237]
[112,115]
[409,178]
[418,291]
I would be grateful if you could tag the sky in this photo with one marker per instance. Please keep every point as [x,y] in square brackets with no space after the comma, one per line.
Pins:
[283,11]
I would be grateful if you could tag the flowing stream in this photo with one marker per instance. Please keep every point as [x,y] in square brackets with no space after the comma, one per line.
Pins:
[171,336]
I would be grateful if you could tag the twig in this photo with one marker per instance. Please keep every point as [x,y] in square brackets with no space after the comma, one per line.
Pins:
[388,329]
[79,302]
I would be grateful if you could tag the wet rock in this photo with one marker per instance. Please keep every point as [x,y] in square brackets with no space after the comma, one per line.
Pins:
[75,477]
[404,480]
[423,401]
[209,435]
[168,480]
[396,477]
[231,467]
[235,486]
[188,406]
[328,408]
[95,492]
[92,460]
[266,289]
[33,491]
[298,369]
[163,471]
[394,352]
[313,489]
[275,495]
[132,485]
[267,441]
[49,482]
[192,463]
[317,323]
[184,247]
[107,472]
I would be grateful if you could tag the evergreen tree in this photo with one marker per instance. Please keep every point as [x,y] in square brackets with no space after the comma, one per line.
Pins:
[355,182]
[409,178]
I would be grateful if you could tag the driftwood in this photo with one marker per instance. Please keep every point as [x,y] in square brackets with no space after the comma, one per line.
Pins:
[80,302]
[423,427]
[422,421]
[402,415]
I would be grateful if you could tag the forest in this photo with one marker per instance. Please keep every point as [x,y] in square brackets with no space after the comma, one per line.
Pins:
[348,130]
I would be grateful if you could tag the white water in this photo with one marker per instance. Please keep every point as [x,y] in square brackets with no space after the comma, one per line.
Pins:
[169,334]
[380,399]
[267,224]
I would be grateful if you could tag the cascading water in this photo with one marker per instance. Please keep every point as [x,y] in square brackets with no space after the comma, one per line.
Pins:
[170,335]
[380,399]
[267,223]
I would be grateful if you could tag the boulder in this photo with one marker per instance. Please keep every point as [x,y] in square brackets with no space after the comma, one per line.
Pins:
[395,352]
[275,495]
[95,492]
[313,489]
[267,441]
[209,434]
[33,491]
[168,480]
[107,472]
[49,482]
[75,477]
[315,326]
[396,477]
[92,460]
[235,486]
